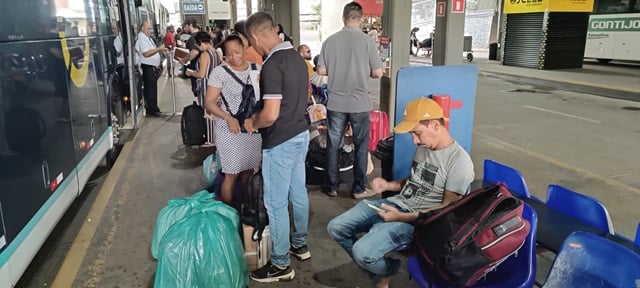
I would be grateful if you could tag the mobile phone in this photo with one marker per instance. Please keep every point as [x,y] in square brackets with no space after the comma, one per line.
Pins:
[374,207]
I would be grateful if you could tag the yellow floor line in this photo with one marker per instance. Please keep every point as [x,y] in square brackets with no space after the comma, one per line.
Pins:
[564,165]
[71,264]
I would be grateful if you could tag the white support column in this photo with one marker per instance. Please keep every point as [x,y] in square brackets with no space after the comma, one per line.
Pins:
[295,22]
[397,26]
[331,17]
[248,3]
[234,12]
[449,36]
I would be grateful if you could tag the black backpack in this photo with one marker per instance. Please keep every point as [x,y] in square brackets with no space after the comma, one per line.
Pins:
[248,105]
[193,126]
[253,211]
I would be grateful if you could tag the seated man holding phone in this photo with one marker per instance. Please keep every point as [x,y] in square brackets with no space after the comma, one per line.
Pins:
[441,173]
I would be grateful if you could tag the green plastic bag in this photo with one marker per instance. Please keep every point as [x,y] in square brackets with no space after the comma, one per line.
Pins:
[180,208]
[210,167]
[202,250]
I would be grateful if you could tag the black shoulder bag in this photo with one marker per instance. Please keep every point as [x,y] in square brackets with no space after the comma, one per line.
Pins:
[248,105]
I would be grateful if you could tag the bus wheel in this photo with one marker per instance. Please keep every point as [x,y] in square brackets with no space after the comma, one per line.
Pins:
[111,156]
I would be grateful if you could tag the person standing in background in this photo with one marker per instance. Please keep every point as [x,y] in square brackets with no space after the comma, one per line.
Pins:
[250,54]
[170,42]
[190,26]
[206,62]
[150,61]
[349,57]
[283,36]
[305,53]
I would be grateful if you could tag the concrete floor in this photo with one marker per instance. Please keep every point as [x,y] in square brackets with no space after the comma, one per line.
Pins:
[584,142]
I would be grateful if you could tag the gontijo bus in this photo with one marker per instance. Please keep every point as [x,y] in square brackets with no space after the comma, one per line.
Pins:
[614,31]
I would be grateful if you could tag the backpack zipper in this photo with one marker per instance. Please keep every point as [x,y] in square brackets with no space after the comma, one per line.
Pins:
[502,237]
[483,214]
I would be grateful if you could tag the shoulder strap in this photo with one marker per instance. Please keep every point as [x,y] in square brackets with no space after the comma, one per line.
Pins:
[226,104]
[235,77]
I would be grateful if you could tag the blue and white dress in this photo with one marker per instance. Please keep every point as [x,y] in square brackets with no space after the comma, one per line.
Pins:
[238,152]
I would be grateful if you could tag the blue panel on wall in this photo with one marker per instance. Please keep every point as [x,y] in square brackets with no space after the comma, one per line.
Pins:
[458,81]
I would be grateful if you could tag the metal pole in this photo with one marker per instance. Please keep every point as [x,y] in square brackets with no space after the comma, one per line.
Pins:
[173,81]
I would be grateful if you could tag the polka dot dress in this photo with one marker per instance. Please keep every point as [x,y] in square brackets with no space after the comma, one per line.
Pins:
[238,152]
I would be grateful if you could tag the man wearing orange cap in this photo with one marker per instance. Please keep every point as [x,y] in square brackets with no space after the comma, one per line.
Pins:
[441,173]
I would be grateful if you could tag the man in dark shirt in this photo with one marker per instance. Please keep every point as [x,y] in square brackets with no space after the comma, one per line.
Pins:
[285,140]
[192,28]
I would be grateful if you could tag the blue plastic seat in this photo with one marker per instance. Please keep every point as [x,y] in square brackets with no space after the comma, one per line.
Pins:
[588,260]
[495,172]
[579,206]
[518,271]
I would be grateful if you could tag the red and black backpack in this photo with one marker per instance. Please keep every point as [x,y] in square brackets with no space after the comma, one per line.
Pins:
[463,241]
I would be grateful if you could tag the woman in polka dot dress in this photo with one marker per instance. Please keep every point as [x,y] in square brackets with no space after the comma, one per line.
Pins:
[240,153]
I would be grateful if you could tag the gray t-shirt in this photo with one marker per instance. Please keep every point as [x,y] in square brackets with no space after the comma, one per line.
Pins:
[433,172]
[349,56]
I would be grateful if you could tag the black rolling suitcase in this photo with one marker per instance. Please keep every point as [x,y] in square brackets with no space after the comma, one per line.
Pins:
[193,126]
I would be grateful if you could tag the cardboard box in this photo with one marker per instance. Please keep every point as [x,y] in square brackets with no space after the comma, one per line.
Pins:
[180,53]
[257,253]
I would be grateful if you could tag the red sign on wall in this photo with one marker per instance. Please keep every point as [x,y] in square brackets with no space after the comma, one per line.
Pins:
[441,9]
[457,6]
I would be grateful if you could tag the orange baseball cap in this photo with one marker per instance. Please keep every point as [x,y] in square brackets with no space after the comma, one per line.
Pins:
[418,110]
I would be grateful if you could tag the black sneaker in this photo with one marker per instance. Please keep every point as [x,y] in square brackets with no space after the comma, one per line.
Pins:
[302,253]
[273,273]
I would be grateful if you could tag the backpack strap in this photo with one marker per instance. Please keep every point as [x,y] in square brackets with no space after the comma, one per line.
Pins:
[235,77]
[226,104]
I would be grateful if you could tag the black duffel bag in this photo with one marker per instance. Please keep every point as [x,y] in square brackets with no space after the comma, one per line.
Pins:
[384,149]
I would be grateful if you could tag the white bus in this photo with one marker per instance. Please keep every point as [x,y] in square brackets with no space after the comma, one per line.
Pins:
[614,31]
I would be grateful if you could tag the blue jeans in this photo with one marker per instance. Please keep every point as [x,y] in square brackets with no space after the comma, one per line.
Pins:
[337,122]
[381,238]
[283,171]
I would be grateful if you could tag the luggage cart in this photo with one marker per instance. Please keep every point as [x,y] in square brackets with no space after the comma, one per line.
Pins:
[467,48]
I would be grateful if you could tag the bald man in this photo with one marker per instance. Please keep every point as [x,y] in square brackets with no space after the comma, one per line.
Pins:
[305,52]
[150,59]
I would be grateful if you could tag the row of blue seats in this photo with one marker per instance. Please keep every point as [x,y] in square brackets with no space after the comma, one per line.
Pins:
[588,257]
[572,203]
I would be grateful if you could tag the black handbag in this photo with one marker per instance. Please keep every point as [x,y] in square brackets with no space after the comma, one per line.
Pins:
[248,105]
